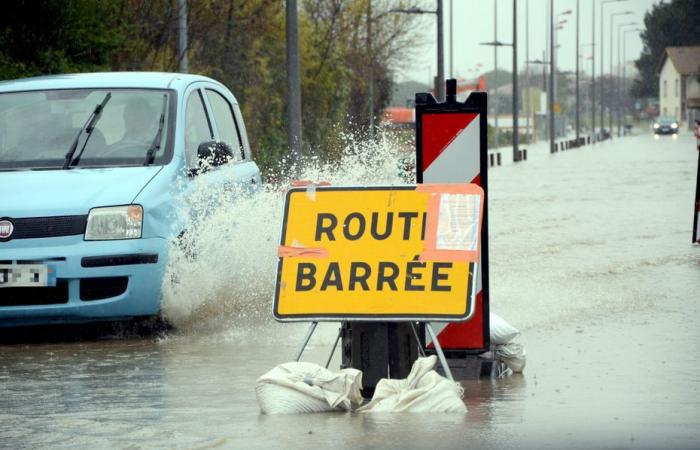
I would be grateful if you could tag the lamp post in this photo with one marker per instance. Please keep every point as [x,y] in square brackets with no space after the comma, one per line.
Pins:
[578,98]
[495,72]
[516,105]
[183,64]
[618,99]
[440,88]
[624,69]
[559,26]
[528,108]
[590,87]
[452,22]
[550,96]
[612,82]
[553,70]
[516,110]
[293,86]
[602,51]
[602,56]
[544,65]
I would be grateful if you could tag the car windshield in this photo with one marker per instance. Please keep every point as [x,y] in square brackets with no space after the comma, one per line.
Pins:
[38,128]
[666,120]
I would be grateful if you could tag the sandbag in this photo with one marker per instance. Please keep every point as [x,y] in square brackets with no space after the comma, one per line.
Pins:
[501,331]
[424,390]
[302,387]
[513,355]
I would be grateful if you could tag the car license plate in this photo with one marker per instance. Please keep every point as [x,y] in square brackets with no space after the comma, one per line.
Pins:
[27,275]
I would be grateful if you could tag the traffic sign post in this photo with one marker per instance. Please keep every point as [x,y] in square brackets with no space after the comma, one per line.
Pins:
[451,147]
[378,256]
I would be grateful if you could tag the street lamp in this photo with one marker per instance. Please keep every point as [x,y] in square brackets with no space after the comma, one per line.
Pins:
[623,63]
[602,8]
[616,84]
[516,111]
[590,88]
[544,65]
[602,55]
[553,72]
[578,97]
[612,87]
[440,91]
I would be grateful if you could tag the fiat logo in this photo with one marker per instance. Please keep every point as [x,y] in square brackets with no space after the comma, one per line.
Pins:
[6,229]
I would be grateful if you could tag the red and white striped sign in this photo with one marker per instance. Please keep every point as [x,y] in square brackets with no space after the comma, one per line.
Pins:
[450,151]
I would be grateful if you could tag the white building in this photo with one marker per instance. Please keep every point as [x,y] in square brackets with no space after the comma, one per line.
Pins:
[679,88]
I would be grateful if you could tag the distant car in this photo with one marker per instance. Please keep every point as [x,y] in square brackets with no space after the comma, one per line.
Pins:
[665,125]
[92,167]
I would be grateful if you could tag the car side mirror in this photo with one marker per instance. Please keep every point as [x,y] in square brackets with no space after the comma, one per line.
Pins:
[213,154]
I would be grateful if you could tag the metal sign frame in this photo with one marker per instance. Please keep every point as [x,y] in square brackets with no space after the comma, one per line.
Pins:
[471,286]
[475,103]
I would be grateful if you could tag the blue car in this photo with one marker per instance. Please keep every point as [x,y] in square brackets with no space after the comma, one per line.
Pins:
[93,168]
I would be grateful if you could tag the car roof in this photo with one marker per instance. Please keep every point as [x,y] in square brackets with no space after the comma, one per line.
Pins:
[145,80]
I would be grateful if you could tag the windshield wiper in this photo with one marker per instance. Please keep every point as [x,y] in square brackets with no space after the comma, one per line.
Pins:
[88,128]
[155,145]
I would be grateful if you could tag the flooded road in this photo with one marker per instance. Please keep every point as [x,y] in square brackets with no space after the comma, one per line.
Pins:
[590,258]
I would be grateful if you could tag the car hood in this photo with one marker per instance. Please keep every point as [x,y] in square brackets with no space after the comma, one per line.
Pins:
[39,193]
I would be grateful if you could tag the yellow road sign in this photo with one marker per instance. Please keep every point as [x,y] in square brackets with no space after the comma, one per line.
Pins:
[379,253]
[557,107]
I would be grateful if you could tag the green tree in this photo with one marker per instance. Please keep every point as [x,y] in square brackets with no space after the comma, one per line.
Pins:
[57,36]
[667,25]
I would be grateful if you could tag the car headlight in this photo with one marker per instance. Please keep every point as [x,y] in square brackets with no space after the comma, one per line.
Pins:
[114,222]
[674,125]
[656,125]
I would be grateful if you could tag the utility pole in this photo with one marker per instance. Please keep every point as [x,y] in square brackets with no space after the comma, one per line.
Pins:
[528,107]
[552,131]
[612,77]
[593,134]
[618,97]
[440,55]
[293,87]
[452,22]
[495,73]
[516,109]
[624,67]
[183,63]
[578,97]
[440,88]
[370,70]
[602,58]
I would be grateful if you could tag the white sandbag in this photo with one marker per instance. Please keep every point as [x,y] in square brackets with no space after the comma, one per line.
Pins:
[513,354]
[501,331]
[302,387]
[423,391]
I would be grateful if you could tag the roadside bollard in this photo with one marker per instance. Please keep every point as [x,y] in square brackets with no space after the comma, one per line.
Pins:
[498,158]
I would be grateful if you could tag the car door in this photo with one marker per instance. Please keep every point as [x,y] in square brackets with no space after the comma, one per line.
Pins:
[228,127]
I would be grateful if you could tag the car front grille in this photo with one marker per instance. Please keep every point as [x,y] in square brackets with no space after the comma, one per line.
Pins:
[27,296]
[43,227]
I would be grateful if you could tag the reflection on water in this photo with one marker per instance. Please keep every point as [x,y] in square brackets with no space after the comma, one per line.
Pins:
[589,257]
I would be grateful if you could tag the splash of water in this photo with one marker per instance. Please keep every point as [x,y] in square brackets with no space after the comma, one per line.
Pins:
[223,275]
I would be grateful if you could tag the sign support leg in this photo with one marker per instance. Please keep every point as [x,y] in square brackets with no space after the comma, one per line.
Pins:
[438,349]
[335,344]
[418,341]
[307,337]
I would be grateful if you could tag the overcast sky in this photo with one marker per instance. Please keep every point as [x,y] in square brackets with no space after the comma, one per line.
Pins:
[474,23]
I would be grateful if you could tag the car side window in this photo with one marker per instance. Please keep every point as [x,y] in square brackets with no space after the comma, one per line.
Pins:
[197,128]
[225,122]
